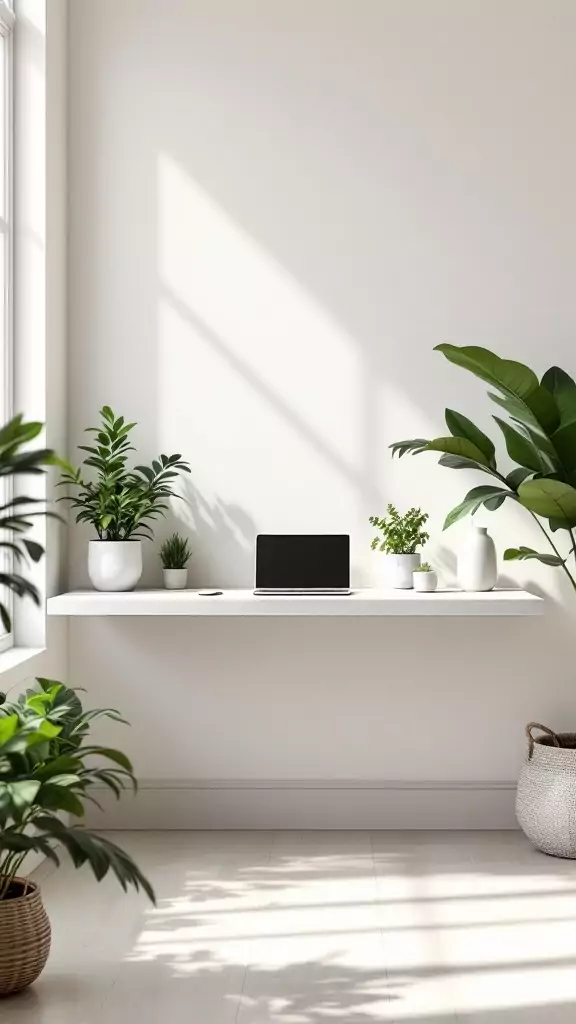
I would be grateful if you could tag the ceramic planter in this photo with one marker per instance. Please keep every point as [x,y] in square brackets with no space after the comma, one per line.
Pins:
[425,582]
[114,564]
[398,570]
[477,569]
[24,937]
[175,579]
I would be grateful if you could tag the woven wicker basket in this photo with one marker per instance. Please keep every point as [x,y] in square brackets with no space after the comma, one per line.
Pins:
[546,797]
[24,938]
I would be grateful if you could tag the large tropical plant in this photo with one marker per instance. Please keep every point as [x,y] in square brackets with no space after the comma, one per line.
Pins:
[119,502]
[49,768]
[540,437]
[18,511]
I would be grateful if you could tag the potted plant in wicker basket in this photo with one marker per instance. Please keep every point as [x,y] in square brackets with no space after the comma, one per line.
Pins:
[49,767]
[540,437]
[47,764]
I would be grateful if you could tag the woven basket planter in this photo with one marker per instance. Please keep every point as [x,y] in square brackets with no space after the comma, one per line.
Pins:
[546,797]
[24,938]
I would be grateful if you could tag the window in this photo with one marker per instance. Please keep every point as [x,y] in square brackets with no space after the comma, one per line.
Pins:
[6,377]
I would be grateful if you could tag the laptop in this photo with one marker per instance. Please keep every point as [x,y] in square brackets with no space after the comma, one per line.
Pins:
[302,564]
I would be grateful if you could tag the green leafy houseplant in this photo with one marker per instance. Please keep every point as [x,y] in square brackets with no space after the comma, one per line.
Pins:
[423,567]
[175,552]
[17,512]
[48,766]
[540,437]
[119,502]
[401,534]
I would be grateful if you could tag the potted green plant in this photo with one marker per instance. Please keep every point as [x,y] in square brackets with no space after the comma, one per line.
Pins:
[424,578]
[540,438]
[401,536]
[48,768]
[175,554]
[119,503]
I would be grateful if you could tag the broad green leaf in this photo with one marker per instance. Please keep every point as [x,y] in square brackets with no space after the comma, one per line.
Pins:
[523,451]
[457,462]
[516,476]
[23,794]
[523,554]
[563,388]
[564,441]
[474,499]
[550,499]
[8,726]
[60,798]
[460,426]
[508,376]
[459,446]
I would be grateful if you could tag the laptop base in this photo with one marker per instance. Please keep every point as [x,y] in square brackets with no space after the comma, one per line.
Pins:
[302,592]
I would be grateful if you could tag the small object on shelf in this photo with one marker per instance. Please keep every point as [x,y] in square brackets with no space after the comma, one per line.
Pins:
[175,553]
[175,579]
[477,569]
[425,579]
[401,535]
[210,593]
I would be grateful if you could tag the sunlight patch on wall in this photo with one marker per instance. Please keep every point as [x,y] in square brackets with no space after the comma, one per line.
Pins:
[264,383]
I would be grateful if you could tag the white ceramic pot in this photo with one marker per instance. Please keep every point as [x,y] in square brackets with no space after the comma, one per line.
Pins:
[425,582]
[399,570]
[114,564]
[175,579]
[477,569]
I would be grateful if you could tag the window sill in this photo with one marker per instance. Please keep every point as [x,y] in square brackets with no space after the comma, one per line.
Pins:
[18,664]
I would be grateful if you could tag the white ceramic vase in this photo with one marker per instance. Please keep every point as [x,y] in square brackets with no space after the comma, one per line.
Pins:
[175,579]
[114,564]
[398,570]
[425,582]
[477,569]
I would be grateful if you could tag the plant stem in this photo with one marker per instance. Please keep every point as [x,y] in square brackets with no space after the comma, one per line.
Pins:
[555,549]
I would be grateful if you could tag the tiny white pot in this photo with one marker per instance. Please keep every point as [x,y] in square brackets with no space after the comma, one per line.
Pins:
[175,579]
[399,570]
[425,582]
[114,564]
[477,568]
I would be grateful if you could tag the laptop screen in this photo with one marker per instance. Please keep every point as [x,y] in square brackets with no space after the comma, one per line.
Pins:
[309,561]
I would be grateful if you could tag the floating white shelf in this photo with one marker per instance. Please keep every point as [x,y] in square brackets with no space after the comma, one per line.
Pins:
[244,602]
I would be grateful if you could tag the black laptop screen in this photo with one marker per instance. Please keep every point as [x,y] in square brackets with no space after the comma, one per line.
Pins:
[296,562]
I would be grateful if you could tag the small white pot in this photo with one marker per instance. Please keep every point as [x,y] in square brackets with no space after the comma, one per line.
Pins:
[399,570]
[175,579]
[425,582]
[114,564]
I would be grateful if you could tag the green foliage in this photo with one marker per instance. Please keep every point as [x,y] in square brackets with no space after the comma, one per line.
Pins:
[424,567]
[540,437]
[175,552]
[119,502]
[523,554]
[49,767]
[17,513]
[401,535]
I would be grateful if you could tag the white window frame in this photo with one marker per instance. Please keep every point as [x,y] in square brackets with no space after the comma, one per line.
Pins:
[7,20]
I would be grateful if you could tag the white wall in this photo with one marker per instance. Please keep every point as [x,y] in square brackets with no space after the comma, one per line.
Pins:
[276,211]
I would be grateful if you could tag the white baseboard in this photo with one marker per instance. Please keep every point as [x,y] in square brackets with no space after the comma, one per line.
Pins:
[309,804]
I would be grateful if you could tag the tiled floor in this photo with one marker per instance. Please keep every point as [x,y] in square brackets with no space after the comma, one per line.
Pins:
[314,928]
